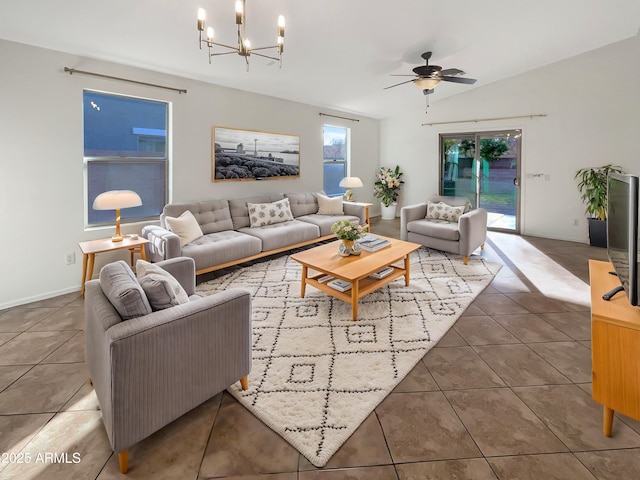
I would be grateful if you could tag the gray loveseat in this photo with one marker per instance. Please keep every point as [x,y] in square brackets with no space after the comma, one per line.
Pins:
[228,237]
[445,223]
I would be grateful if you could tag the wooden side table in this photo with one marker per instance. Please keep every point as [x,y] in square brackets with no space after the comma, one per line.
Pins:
[366,212]
[91,248]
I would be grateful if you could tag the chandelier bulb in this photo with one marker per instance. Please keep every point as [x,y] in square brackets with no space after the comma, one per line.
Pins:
[202,15]
[210,33]
[239,12]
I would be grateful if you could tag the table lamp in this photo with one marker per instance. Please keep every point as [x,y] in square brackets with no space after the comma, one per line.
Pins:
[349,183]
[115,200]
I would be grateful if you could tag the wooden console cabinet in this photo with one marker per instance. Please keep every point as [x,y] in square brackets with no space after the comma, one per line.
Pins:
[615,347]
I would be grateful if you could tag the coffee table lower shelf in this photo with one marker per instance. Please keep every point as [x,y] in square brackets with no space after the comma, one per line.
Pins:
[359,287]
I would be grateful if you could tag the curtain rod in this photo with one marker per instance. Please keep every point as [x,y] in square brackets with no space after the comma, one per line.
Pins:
[336,116]
[486,119]
[71,71]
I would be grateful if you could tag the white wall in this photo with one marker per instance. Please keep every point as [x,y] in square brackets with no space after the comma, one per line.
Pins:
[593,118]
[41,185]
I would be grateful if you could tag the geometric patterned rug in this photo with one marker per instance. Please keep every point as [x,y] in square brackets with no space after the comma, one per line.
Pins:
[316,374]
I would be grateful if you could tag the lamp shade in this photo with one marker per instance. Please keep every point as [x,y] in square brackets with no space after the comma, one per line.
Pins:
[426,83]
[117,199]
[351,182]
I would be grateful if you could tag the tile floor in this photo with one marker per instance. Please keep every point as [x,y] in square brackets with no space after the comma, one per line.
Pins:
[506,394]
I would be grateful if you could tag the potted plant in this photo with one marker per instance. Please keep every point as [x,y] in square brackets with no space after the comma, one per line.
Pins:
[593,188]
[387,189]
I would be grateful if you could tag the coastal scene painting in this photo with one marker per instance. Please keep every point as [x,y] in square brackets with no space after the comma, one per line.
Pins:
[254,155]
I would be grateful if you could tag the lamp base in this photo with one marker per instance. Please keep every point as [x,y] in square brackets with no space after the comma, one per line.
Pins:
[117,238]
[348,195]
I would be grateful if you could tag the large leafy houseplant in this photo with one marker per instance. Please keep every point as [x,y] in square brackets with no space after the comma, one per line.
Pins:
[592,186]
[387,186]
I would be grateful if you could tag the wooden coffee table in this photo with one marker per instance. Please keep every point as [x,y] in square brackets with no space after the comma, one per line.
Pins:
[354,269]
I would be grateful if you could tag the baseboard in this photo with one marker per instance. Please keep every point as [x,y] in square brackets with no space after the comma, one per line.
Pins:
[38,298]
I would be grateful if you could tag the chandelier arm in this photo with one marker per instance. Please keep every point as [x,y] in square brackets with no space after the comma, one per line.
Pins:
[263,48]
[264,56]
[223,53]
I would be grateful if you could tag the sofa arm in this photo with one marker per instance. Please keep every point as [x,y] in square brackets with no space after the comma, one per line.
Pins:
[168,362]
[356,210]
[409,214]
[183,269]
[473,230]
[162,245]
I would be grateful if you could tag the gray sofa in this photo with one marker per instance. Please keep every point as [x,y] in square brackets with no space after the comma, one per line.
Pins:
[228,237]
[157,365]
[439,230]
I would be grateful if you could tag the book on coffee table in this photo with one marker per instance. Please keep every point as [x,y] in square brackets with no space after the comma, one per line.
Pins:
[340,285]
[382,273]
[371,243]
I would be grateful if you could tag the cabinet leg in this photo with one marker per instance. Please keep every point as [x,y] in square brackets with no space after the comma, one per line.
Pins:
[607,421]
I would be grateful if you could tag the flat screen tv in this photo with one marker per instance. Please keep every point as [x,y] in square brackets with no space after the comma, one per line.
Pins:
[622,233]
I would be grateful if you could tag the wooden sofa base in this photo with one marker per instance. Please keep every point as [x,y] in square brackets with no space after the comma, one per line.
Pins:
[264,254]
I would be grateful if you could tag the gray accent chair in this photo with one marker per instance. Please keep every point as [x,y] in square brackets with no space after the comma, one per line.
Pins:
[151,369]
[462,237]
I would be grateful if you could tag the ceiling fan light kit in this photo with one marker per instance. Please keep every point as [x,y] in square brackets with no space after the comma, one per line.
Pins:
[244,48]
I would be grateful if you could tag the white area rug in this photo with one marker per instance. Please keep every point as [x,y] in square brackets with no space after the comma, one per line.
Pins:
[316,373]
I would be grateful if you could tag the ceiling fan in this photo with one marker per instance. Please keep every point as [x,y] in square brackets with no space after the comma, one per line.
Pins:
[428,76]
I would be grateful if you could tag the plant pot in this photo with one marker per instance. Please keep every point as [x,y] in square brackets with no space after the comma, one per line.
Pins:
[344,247]
[597,233]
[388,213]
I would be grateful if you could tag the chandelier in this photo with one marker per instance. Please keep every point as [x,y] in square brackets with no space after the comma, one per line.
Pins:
[244,47]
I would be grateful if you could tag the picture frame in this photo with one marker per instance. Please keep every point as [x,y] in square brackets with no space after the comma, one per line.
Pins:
[253,155]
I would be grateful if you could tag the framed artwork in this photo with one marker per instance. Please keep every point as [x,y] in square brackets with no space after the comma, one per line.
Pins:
[254,155]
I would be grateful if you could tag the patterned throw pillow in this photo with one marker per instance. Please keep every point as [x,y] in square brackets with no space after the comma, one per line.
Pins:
[261,214]
[442,211]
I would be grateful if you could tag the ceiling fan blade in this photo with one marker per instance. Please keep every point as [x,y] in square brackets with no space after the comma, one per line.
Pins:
[466,81]
[397,84]
[401,75]
[452,71]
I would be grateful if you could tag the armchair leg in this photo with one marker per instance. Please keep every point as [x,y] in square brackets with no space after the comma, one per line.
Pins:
[466,259]
[482,247]
[123,461]
[244,382]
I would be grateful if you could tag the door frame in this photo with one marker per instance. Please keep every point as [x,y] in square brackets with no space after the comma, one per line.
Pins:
[516,132]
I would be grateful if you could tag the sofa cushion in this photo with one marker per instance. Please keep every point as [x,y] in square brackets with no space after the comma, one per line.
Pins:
[324,222]
[281,235]
[435,229]
[329,205]
[302,203]
[185,226]
[222,247]
[123,291]
[442,211]
[261,214]
[162,288]
[212,215]
[240,211]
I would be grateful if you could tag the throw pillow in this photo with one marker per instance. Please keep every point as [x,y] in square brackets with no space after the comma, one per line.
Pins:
[185,226]
[162,289]
[442,211]
[261,214]
[124,292]
[329,205]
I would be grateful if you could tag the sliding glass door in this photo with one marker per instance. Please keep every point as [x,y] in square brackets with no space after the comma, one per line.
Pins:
[484,167]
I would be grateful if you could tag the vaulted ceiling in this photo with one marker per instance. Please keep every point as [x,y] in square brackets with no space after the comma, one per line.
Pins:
[338,53]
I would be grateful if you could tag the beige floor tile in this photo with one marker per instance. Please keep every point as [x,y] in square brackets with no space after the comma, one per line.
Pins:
[386,472]
[5,337]
[418,380]
[612,465]
[84,399]
[423,426]
[518,365]
[501,424]
[72,351]
[460,368]
[19,319]
[10,373]
[571,359]
[266,476]
[536,302]
[72,446]
[529,328]
[483,330]
[45,388]
[68,318]
[471,469]
[575,418]
[577,325]
[498,304]
[17,430]
[32,347]
[173,452]
[562,466]
[240,444]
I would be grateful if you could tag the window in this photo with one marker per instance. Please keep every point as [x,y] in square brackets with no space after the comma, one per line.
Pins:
[125,148]
[336,158]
